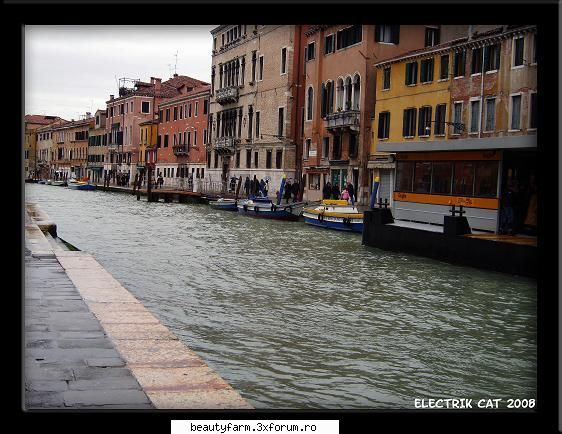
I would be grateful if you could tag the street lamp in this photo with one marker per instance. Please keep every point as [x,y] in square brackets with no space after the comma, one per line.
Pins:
[459,126]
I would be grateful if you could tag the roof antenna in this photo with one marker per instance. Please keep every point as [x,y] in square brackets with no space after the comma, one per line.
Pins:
[176,65]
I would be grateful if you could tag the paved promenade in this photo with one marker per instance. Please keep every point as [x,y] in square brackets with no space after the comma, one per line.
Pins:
[90,344]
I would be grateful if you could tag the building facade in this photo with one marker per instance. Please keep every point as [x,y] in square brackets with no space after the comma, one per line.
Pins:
[339,93]
[148,148]
[137,102]
[183,136]
[33,165]
[254,121]
[97,148]
[464,133]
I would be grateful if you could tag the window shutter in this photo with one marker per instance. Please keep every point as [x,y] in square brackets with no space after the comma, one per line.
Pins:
[415,73]
[430,71]
[380,135]
[414,121]
[405,123]
[395,34]
[323,114]
[498,51]
[421,123]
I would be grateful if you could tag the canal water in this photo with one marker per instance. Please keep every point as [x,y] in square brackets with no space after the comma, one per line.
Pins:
[298,317]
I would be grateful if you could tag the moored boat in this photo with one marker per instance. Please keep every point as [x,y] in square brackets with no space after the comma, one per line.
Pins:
[59,183]
[263,207]
[334,214]
[42,181]
[224,204]
[80,185]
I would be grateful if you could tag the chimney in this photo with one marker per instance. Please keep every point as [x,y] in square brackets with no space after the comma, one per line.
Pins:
[175,75]
[157,84]
[111,97]
[88,115]
[152,80]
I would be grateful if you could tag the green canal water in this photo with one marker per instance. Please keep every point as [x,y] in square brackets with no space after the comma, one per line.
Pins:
[298,317]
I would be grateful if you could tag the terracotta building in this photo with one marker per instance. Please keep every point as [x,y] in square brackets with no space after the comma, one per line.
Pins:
[97,148]
[339,93]
[182,137]
[137,102]
[254,121]
[45,151]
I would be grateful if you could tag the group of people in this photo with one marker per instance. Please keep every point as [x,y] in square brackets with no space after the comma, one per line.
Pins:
[253,187]
[333,192]
[291,190]
[519,208]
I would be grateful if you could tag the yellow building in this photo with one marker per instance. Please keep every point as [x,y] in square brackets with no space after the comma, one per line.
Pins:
[458,121]
[148,144]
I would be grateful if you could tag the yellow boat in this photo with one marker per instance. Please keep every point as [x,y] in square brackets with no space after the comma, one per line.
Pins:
[335,214]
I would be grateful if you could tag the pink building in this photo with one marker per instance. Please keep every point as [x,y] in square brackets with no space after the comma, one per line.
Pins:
[137,102]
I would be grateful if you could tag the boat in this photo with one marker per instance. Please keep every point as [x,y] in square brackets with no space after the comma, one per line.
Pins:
[49,181]
[334,214]
[263,207]
[42,181]
[80,185]
[59,183]
[224,204]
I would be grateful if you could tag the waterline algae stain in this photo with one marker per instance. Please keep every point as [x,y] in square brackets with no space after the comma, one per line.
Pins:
[296,317]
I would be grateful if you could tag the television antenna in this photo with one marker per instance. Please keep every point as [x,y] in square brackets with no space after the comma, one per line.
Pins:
[176,65]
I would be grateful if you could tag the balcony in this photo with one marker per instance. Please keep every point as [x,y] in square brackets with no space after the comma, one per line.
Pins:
[342,120]
[227,95]
[226,145]
[112,147]
[41,162]
[180,150]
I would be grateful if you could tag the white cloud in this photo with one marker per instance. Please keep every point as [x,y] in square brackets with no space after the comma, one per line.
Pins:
[70,70]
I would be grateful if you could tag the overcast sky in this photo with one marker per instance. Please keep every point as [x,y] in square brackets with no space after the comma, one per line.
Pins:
[70,70]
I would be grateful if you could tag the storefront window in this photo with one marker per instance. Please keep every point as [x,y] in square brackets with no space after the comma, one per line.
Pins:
[442,176]
[422,177]
[464,179]
[314,179]
[404,175]
[486,179]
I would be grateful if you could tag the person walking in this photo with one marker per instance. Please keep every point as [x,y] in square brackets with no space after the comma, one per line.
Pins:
[296,191]
[351,191]
[335,191]
[327,190]
[247,186]
[288,191]
[345,194]
[266,187]
[262,187]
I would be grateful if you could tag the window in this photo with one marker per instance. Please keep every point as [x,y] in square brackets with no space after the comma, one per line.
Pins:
[474,116]
[196,108]
[349,36]
[329,44]
[307,144]
[181,111]
[411,73]
[216,160]
[476,61]
[384,125]
[387,33]
[534,56]
[386,78]
[325,147]
[426,70]
[248,158]
[175,113]
[145,107]
[194,137]
[424,124]
[533,110]
[409,126]
[165,140]
[205,106]
[281,122]
[254,65]
[459,65]
[310,51]
[237,159]
[463,183]
[431,36]
[492,57]
[268,154]
[486,179]
[444,70]
[283,60]
[490,114]
[439,128]
[457,117]
[189,111]
[404,175]
[327,98]
[160,117]
[278,158]
[205,137]
[168,115]
[260,74]
[309,102]
[422,176]
[256,159]
[159,141]
[516,112]
[518,48]
[442,175]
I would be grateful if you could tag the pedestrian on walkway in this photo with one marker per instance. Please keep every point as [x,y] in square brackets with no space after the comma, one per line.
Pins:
[247,186]
[288,191]
[335,191]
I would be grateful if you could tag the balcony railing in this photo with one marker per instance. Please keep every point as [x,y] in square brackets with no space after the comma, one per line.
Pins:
[344,119]
[226,144]
[227,95]
[180,150]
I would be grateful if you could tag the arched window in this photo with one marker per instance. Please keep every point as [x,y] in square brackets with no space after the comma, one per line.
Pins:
[347,94]
[330,97]
[356,91]
[340,94]
[310,101]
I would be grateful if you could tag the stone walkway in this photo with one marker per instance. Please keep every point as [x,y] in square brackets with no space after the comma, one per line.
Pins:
[89,343]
